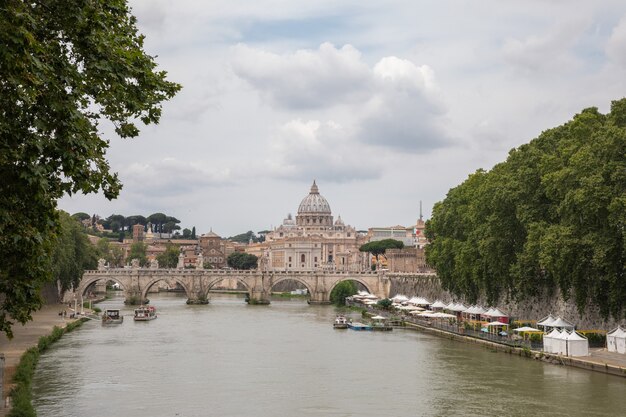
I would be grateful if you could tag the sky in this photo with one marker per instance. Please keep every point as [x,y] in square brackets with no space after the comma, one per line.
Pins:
[384,104]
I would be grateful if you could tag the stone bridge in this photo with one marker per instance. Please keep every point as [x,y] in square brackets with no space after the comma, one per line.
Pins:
[136,282]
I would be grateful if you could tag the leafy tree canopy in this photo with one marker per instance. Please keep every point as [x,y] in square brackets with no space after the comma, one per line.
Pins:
[342,291]
[553,215]
[138,251]
[242,260]
[379,247]
[169,258]
[244,237]
[64,67]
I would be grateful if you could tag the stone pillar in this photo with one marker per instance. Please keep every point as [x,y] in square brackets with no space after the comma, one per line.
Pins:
[258,298]
[133,292]
[181,261]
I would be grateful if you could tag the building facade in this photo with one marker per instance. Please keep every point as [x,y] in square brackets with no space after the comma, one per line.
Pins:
[312,241]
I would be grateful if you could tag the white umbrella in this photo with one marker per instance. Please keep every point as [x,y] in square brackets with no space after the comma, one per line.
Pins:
[496,323]
[526,329]
[378,318]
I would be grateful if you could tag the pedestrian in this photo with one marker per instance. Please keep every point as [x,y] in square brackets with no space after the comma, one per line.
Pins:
[64,314]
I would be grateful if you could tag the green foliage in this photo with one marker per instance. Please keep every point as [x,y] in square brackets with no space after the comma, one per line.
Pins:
[73,253]
[193,232]
[378,247]
[552,216]
[169,258]
[186,233]
[138,251]
[242,260]
[385,303]
[341,291]
[64,68]
[244,237]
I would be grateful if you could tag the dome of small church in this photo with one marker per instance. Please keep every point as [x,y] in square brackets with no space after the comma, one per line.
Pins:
[314,203]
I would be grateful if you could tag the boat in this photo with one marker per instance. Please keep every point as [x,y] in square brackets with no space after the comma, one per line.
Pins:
[111,316]
[340,323]
[145,313]
[359,326]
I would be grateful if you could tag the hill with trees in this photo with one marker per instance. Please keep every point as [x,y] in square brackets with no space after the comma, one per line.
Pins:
[552,216]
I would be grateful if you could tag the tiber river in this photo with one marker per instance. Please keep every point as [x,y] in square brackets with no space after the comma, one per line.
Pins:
[231,359]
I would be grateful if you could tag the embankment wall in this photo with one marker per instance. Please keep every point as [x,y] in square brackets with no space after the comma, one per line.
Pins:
[535,308]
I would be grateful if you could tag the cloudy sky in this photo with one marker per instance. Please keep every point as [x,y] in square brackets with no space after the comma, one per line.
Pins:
[383,103]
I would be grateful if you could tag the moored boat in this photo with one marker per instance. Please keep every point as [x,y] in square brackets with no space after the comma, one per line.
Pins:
[340,323]
[145,313]
[359,326]
[111,316]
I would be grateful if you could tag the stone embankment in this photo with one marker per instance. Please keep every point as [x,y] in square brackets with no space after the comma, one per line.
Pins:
[535,308]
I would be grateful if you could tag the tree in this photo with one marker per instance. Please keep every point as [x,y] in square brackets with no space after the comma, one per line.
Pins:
[138,251]
[186,233]
[73,253]
[242,260]
[169,258]
[157,220]
[342,291]
[193,232]
[552,216]
[379,247]
[385,303]
[244,237]
[64,67]
[80,216]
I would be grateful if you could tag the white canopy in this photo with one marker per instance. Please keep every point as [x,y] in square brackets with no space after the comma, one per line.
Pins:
[562,324]
[400,298]
[457,307]
[414,300]
[496,323]
[379,318]
[494,312]
[438,304]
[577,345]
[560,343]
[526,329]
[444,316]
[550,344]
[547,321]
[616,340]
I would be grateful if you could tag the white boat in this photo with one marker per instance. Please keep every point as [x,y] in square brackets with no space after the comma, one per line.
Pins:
[145,313]
[111,316]
[340,323]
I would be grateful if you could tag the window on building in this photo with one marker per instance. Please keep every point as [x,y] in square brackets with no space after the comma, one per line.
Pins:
[302,258]
[315,260]
[290,260]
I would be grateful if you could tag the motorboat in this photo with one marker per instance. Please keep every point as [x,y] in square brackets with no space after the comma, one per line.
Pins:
[145,313]
[340,323]
[112,316]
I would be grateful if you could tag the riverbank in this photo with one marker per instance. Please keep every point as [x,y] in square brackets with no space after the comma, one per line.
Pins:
[26,337]
[599,360]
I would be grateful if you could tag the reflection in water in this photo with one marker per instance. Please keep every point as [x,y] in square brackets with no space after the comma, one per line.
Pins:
[231,359]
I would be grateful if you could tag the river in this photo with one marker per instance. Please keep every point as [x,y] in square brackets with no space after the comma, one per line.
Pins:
[285,359]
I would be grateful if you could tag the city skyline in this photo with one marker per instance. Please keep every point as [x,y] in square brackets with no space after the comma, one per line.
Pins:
[383,106]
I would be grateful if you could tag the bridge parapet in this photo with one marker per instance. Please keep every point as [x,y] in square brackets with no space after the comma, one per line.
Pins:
[197,282]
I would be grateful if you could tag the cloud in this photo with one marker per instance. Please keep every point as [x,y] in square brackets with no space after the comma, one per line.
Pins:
[311,149]
[548,51]
[395,104]
[616,44]
[304,79]
[171,177]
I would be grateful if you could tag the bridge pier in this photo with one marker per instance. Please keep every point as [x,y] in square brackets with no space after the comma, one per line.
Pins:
[320,298]
[258,298]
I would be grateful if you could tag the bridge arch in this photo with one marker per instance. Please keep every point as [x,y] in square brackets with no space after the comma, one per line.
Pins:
[217,279]
[152,281]
[292,278]
[350,278]
[86,283]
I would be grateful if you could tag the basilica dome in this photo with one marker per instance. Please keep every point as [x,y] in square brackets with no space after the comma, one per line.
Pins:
[314,203]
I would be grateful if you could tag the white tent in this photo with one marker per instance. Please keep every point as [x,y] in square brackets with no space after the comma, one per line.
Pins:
[546,321]
[437,304]
[550,344]
[494,312]
[577,345]
[560,343]
[616,340]
[562,324]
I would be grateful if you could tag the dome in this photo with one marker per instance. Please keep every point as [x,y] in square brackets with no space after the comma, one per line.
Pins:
[314,203]
[339,222]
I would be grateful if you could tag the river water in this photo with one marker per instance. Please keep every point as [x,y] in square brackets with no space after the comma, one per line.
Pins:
[231,359]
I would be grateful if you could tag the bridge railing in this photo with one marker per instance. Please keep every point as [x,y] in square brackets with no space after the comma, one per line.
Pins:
[231,272]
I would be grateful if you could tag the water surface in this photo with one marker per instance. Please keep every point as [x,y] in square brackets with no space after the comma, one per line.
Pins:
[231,359]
